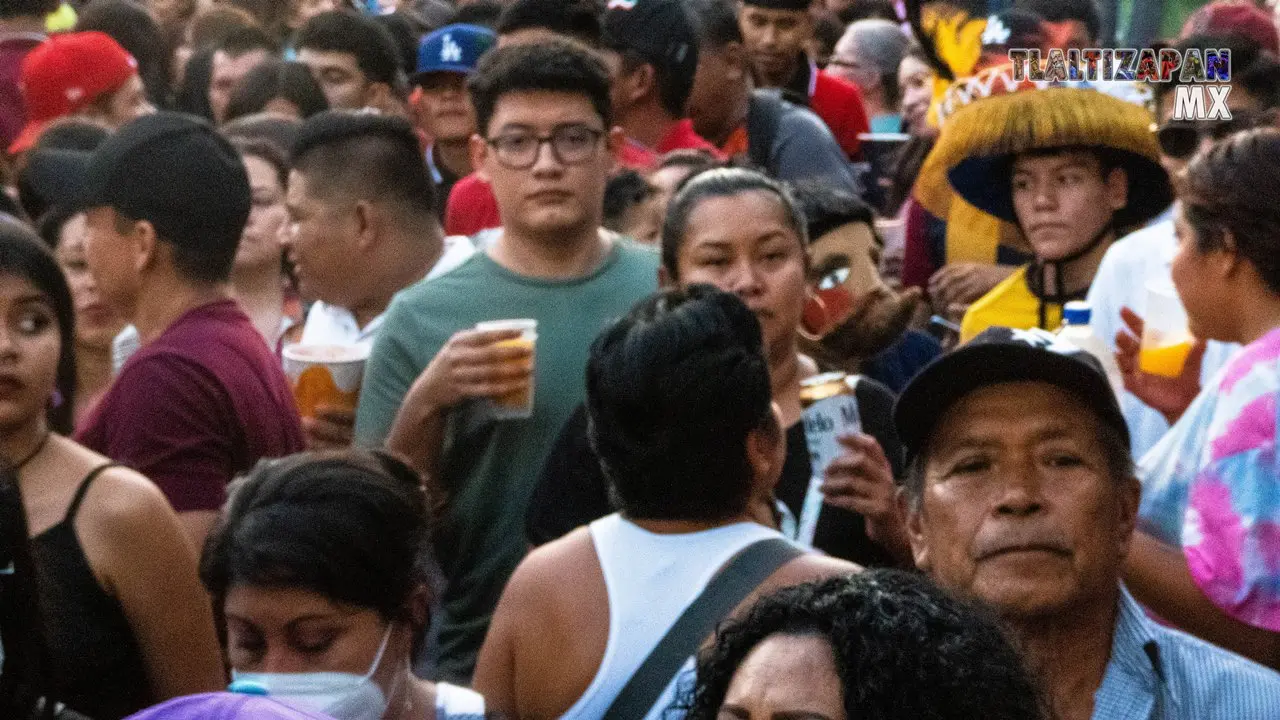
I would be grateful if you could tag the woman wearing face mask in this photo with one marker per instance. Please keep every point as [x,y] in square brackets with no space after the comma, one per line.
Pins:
[125,621]
[97,323]
[743,233]
[316,567]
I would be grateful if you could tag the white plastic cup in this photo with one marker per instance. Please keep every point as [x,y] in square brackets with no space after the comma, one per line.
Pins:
[517,405]
[325,375]
[1166,337]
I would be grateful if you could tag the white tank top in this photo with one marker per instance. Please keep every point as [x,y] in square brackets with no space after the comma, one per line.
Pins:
[651,579]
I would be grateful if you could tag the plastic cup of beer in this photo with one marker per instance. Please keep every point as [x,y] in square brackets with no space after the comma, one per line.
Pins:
[325,376]
[1166,338]
[517,405]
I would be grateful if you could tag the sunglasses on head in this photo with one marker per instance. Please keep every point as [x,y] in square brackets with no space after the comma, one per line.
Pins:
[1180,138]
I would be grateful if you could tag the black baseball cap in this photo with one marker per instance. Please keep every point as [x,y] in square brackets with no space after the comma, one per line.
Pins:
[660,31]
[174,171]
[792,5]
[996,356]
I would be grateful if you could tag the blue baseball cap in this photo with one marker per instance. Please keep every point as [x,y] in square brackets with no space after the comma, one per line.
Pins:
[454,48]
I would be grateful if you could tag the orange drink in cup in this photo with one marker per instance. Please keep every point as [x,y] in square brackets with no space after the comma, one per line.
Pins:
[1166,339]
[325,376]
[517,405]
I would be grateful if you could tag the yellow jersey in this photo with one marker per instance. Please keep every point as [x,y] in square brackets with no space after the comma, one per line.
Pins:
[1010,304]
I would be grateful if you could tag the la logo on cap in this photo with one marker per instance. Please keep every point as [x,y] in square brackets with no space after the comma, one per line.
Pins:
[450,51]
[996,32]
[74,94]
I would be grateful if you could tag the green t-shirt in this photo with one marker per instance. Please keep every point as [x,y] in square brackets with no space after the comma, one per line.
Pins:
[491,467]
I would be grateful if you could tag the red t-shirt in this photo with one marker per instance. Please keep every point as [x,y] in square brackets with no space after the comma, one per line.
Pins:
[472,207]
[199,405]
[839,104]
[681,136]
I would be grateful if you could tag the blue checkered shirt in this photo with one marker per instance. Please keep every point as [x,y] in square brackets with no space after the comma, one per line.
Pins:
[1157,673]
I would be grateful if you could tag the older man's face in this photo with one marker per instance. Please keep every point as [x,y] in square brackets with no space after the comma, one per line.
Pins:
[1018,507]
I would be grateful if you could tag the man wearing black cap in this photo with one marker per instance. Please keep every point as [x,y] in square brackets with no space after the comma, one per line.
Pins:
[652,52]
[204,399]
[776,32]
[1021,493]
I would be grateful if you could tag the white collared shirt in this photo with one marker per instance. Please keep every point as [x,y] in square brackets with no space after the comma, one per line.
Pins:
[332,325]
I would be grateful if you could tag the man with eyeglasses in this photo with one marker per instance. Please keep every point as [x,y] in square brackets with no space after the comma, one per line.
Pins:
[546,144]
[1145,256]
[868,55]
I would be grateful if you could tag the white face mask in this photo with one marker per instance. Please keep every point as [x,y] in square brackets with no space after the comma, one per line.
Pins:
[343,696]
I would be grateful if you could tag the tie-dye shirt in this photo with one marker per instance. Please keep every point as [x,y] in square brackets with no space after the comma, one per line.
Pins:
[1211,486]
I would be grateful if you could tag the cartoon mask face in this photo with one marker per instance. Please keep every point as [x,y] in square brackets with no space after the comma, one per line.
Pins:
[851,314]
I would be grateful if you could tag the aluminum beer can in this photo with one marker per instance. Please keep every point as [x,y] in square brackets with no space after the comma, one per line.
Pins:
[830,409]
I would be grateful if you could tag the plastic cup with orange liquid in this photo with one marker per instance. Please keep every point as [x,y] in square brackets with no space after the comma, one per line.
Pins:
[325,376]
[517,405]
[1166,338]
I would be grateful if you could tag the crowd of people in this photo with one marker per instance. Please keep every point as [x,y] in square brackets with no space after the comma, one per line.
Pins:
[583,284]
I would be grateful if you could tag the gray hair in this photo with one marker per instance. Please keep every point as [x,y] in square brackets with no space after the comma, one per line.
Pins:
[882,44]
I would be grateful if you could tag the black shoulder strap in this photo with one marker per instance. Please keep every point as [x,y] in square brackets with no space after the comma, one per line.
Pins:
[744,573]
[83,490]
[764,113]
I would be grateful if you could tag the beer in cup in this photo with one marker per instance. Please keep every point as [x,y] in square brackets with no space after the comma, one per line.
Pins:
[325,375]
[519,404]
[1166,339]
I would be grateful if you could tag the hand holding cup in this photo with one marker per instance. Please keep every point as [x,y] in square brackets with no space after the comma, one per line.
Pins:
[485,362]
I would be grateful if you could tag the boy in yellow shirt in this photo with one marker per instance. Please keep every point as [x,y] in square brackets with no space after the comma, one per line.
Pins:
[1073,168]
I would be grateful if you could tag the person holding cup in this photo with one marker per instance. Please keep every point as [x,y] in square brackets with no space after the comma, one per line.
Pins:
[363,227]
[439,382]
[744,233]
[1207,557]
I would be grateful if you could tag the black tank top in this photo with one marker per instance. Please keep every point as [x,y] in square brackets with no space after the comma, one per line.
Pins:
[96,663]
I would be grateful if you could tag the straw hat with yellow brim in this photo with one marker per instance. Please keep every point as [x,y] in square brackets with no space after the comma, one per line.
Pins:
[1077,116]
[972,235]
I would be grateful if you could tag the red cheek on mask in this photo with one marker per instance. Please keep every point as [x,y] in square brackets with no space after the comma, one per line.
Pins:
[826,309]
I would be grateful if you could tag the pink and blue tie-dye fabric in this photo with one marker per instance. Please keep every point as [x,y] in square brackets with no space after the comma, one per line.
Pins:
[1212,487]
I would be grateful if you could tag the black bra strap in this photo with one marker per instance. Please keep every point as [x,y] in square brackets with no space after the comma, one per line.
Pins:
[84,489]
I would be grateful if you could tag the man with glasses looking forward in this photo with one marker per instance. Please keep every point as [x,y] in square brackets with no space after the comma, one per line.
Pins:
[546,146]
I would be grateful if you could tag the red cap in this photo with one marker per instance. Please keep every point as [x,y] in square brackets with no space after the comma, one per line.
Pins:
[64,74]
[1228,18]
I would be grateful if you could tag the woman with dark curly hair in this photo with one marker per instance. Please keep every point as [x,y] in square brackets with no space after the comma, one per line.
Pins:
[883,644]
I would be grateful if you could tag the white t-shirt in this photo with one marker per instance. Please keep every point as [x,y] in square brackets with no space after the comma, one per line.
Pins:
[332,325]
[1130,264]
[458,703]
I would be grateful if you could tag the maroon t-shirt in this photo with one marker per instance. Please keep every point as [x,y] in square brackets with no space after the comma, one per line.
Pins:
[199,405]
[14,46]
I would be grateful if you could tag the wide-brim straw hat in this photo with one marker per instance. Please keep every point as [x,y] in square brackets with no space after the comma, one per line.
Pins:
[981,140]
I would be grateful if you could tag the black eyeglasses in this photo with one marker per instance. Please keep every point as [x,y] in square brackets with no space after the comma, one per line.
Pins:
[570,145]
[1181,139]
[834,61]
